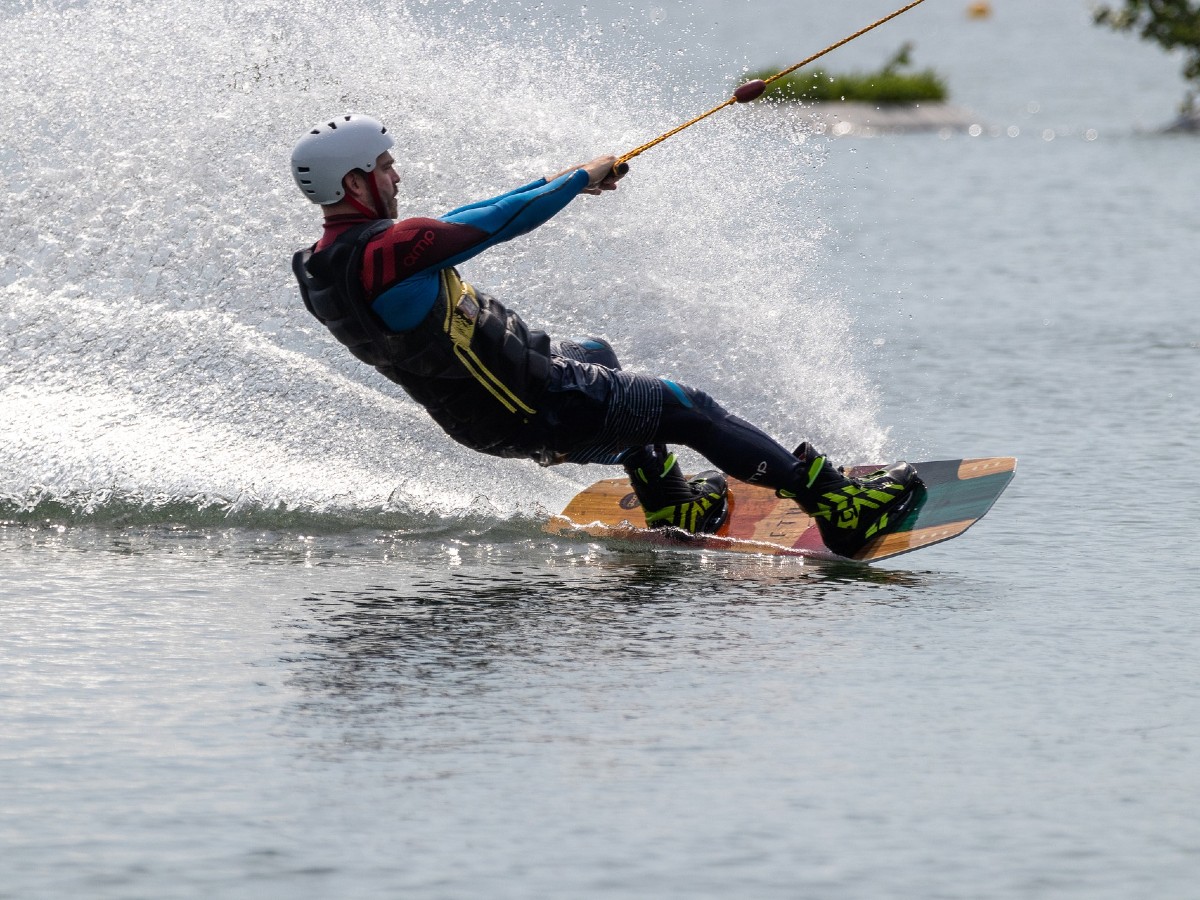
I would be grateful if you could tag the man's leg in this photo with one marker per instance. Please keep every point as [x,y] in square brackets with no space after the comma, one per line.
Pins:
[849,511]
[628,418]
[667,498]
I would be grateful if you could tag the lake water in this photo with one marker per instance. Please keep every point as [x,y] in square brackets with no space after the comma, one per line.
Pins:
[265,633]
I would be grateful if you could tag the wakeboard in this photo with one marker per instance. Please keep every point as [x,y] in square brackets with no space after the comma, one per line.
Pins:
[957,494]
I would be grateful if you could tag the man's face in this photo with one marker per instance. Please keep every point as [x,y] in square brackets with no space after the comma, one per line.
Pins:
[387,180]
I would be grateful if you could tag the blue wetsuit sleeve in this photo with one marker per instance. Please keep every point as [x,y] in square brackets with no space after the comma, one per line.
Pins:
[515,213]
[533,185]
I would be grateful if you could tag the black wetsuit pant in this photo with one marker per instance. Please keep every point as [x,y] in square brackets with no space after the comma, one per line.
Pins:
[606,413]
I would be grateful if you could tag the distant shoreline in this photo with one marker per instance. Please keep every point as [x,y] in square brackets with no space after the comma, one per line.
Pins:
[850,119]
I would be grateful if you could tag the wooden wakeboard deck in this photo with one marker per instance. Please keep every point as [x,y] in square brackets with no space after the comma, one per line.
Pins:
[958,492]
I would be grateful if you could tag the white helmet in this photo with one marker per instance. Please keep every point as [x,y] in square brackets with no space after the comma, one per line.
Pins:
[321,159]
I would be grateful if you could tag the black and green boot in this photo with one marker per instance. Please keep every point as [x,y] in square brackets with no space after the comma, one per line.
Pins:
[698,506]
[850,512]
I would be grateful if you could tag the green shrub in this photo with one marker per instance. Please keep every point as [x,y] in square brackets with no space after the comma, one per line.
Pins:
[886,87]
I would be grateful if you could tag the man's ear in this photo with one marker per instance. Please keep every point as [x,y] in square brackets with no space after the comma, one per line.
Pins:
[353,183]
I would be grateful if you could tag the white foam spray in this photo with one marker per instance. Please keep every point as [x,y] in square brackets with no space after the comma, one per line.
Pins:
[152,344]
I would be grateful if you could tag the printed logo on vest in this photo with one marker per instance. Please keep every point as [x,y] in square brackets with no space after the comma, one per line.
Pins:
[419,248]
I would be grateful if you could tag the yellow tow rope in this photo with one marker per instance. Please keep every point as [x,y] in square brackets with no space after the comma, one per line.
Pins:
[752,90]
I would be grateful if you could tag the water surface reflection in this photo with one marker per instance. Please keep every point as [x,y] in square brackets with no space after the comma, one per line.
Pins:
[503,642]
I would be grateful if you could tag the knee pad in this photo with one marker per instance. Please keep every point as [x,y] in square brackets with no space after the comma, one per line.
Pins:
[594,350]
[689,398]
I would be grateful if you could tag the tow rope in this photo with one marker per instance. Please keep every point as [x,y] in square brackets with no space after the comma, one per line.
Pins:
[752,90]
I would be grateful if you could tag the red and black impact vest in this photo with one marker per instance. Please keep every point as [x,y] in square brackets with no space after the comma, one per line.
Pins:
[476,367]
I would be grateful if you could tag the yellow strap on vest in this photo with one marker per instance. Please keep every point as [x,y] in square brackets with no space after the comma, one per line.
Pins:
[462,312]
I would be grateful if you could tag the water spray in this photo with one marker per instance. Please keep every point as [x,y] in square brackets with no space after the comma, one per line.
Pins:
[752,90]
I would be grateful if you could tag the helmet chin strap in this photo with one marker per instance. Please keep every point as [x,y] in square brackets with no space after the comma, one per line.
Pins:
[380,206]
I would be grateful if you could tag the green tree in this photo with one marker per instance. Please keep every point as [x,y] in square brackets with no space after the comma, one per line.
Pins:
[1172,24]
